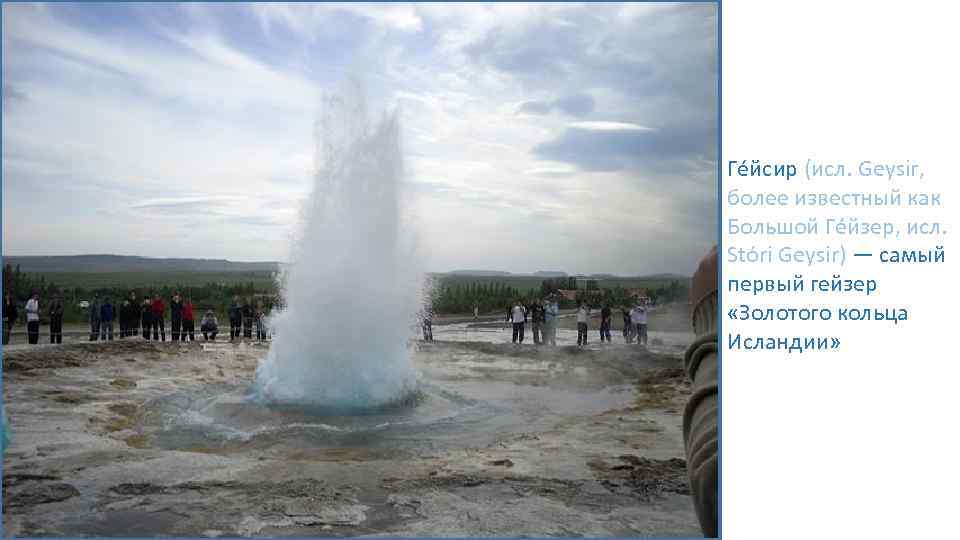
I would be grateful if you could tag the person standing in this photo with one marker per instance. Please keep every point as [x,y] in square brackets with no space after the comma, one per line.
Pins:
[157,307]
[95,318]
[235,314]
[176,317]
[537,318]
[583,317]
[146,316]
[10,314]
[628,327]
[426,323]
[517,316]
[606,320]
[123,317]
[33,319]
[208,326]
[550,313]
[106,320]
[56,321]
[261,325]
[638,316]
[247,313]
[135,315]
[476,311]
[187,320]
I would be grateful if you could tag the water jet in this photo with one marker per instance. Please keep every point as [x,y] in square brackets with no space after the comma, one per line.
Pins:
[350,291]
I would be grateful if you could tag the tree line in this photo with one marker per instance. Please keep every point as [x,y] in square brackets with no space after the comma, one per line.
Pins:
[494,296]
[462,298]
[210,296]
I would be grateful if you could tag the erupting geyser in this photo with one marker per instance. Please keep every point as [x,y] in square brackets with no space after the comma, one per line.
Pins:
[350,292]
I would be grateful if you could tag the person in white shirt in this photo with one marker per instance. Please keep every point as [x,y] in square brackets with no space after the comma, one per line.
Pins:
[517,315]
[583,317]
[33,319]
[551,312]
[638,316]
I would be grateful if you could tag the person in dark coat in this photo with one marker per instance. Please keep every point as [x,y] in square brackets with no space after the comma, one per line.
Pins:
[106,320]
[94,312]
[537,317]
[10,314]
[135,314]
[56,321]
[235,314]
[427,322]
[247,313]
[123,317]
[146,316]
[176,317]
[606,321]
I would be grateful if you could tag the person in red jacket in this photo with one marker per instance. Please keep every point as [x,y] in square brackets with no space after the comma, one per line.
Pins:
[187,320]
[158,307]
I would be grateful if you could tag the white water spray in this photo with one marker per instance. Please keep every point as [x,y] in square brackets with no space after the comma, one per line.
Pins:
[351,291]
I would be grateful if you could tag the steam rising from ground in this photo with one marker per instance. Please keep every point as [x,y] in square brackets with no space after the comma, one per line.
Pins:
[351,291]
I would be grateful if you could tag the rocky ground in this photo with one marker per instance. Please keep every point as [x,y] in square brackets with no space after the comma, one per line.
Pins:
[534,441]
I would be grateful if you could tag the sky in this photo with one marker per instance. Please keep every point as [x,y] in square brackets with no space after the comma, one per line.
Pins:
[571,137]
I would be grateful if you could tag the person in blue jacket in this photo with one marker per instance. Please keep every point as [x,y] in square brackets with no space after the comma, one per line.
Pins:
[106,320]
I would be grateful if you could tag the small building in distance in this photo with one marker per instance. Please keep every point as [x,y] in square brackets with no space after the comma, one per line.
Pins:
[568,294]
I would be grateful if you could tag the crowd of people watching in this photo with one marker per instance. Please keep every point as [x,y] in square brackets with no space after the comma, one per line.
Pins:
[133,317]
[542,313]
[147,318]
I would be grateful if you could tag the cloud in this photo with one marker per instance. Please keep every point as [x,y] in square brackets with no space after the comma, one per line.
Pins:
[560,171]
[308,20]
[535,107]
[576,105]
[192,125]
[188,205]
[608,126]
[607,146]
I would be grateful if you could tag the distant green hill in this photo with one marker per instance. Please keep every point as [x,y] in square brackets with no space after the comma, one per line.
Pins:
[125,263]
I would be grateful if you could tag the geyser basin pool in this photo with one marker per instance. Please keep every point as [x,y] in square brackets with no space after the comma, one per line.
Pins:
[150,439]
[443,416]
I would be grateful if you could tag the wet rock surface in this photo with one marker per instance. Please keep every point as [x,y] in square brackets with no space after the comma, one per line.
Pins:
[29,490]
[643,478]
[141,439]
